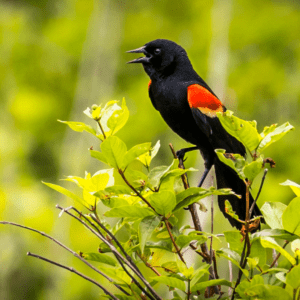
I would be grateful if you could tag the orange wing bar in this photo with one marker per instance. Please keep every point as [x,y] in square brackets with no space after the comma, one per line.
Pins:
[199,97]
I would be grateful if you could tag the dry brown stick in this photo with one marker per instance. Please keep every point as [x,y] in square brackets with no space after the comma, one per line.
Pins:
[173,241]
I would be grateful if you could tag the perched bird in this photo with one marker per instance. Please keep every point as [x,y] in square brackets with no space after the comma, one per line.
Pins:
[189,107]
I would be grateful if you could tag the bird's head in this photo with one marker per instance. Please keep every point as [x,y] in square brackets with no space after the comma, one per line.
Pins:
[161,57]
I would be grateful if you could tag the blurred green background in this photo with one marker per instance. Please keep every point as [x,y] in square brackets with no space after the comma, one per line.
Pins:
[58,57]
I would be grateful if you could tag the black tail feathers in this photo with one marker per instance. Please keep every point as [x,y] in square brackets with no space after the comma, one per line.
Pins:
[228,178]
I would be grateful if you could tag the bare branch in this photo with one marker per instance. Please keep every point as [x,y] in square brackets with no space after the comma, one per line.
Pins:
[260,188]
[68,249]
[173,241]
[74,271]
[278,255]
[119,256]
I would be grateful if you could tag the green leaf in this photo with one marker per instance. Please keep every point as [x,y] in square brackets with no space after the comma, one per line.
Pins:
[114,150]
[272,134]
[199,273]
[163,201]
[136,178]
[79,127]
[234,239]
[184,240]
[252,262]
[171,266]
[272,212]
[66,192]
[245,285]
[293,277]
[275,233]
[252,169]
[291,217]
[281,276]
[118,274]
[134,153]
[165,245]
[112,117]
[100,257]
[118,118]
[267,292]
[166,175]
[118,190]
[229,211]
[294,186]
[188,273]
[146,228]
[233,257]
[129,211]
[267,242]
[258,251]
[295,247]
[147,157]
[203,285]
[113,202]
[171,281]
[193,191]
[98,155]
[244,131]
[192,195]
[234,161]
[155,174]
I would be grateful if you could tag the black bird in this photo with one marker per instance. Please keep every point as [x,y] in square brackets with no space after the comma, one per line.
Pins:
[189,106]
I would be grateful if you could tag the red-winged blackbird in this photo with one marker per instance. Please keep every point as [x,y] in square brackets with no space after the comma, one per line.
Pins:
[189,106]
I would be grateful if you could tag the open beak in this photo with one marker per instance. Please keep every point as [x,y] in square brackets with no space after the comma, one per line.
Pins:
[144,59]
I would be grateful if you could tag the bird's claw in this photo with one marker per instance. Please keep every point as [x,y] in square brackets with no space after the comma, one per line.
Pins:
[180,154]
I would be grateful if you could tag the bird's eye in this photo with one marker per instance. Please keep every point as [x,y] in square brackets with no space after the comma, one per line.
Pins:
[157,51]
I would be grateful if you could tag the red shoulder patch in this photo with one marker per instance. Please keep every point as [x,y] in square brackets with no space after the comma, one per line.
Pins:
[199,97]
[149,84]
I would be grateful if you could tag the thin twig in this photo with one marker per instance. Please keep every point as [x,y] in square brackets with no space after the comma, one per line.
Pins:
[173,241]
[260,188]
[189,290]
[197,224]
[74,271]
[230,274]
[101,128]
[137,193]
[68,249]
[278,255]
[212,228]
[119,256]
[192,207]
[240,271]
[116,241]
[148,265]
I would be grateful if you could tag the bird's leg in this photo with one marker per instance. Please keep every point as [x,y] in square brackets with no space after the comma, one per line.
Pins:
[206,171]
[180,153]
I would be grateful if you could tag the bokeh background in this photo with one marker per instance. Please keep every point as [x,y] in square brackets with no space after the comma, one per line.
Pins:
[58,57]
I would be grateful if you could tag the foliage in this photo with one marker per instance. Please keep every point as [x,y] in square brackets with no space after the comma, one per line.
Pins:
[146,231]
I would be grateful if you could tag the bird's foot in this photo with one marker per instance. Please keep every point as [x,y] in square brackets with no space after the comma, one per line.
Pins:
[180,154]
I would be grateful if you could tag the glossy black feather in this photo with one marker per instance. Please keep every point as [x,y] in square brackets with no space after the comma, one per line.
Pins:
[171,73]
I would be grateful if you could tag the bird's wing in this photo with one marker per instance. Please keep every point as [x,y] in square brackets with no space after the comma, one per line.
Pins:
[204,106]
